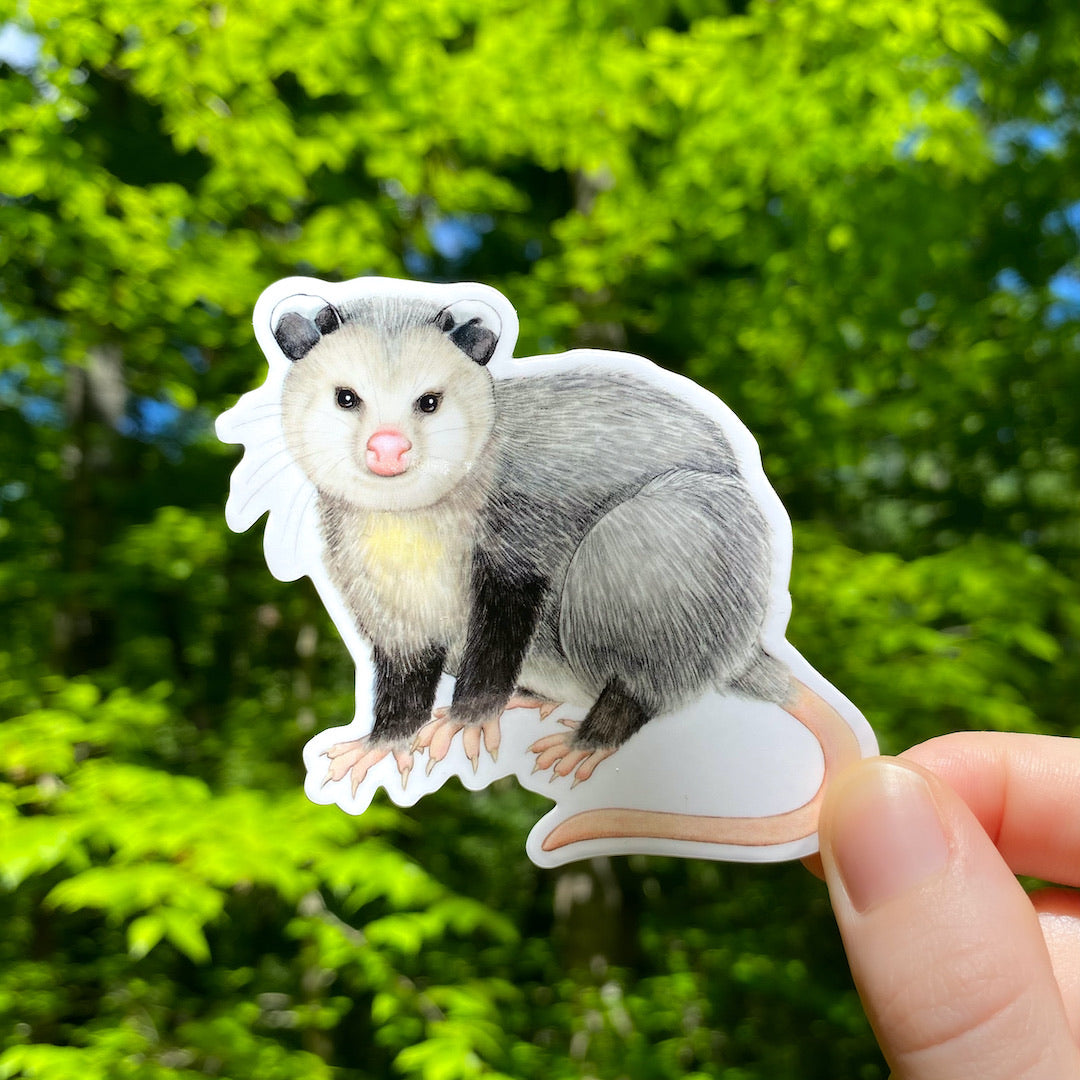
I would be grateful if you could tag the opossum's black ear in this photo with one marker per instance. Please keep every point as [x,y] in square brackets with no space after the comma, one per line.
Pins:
[297,334]
[328,320]
[473,326]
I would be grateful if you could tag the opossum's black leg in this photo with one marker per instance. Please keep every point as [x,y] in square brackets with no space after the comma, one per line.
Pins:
[501,625]
[404,693]
[503,619]
[615,716]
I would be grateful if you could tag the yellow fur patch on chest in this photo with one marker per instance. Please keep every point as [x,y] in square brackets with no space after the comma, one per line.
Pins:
[398,548]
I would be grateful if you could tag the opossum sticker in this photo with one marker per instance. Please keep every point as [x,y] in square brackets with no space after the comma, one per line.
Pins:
[569,569]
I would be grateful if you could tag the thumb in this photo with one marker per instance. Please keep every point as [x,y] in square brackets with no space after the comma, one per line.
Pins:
[943,943]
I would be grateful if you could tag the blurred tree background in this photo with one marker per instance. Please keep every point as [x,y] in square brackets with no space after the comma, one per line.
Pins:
[856,220]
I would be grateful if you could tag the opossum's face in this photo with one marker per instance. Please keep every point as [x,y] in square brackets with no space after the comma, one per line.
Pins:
[387,423]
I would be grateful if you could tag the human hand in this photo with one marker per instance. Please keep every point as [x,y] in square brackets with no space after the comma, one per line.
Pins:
[961,973]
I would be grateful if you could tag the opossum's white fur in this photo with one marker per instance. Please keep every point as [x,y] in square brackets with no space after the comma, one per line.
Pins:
[398,548]
[328,442]
[267,479]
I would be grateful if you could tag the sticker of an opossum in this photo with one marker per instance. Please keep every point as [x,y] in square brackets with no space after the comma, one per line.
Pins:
[597,534]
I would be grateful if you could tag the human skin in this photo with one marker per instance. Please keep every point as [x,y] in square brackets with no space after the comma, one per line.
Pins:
[962,974]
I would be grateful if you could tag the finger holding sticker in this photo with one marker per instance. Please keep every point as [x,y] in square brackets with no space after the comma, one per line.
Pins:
[600,612]
[962,973]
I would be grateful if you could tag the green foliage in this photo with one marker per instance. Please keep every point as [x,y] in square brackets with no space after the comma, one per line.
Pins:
[857,222]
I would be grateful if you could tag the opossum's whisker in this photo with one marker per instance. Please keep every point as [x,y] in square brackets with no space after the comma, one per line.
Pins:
[267,462]
[435,432]
[260,412]
[292,521]
[254,494]
[273,438]
[251,420]
[317,455]
[300,519]
[259,439]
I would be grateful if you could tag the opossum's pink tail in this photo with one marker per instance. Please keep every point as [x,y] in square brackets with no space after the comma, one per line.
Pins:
[839,746]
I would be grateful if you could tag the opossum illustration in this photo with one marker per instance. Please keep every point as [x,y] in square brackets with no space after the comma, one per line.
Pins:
[581,537]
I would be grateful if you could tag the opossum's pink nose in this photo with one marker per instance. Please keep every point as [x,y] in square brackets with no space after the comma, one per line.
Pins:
[386,451]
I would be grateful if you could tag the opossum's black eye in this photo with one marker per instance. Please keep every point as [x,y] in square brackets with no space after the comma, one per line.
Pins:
[428,402]
[346,398]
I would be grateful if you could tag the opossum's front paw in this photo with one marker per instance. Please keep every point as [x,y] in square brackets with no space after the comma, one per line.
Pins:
[355,758]
[561,754]
[438,733]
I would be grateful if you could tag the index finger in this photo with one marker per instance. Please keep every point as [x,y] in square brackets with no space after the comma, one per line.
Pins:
[1024,790]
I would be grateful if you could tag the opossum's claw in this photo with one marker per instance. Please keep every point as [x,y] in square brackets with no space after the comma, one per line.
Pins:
[470,739]
[404,761]
[492,737]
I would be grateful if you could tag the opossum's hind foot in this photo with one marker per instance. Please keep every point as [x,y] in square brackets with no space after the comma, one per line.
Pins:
[438,733]
[523,699]
[559,753]
[355,758]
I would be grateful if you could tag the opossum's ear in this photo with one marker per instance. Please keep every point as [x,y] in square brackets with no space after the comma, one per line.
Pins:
[473,326]
[305,320]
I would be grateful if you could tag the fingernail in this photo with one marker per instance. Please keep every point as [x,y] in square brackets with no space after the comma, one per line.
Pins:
[887,836]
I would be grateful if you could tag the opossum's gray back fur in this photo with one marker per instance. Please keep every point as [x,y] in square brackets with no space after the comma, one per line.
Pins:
[629,502]
[569,446]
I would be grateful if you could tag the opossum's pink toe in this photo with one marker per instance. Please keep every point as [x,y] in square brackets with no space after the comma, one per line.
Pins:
[470,739]
[422,739]
[588,766]
[547,757]
[547,742]
[404,761]
[527,701]
[340,748]
[569,763]
[344,756]
[441,738]
[355,758]
[359,770]
[492,737]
